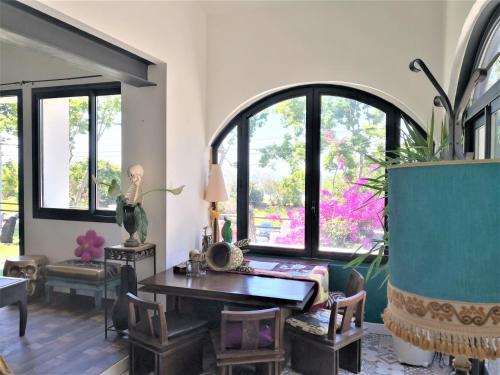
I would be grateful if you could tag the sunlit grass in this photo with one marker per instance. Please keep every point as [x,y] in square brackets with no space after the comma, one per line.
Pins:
[8,250]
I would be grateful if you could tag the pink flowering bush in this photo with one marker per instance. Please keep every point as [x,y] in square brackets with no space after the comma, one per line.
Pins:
[348,221]
[89,246]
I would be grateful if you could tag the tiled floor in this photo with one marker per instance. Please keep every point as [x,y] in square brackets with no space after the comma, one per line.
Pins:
[379,358]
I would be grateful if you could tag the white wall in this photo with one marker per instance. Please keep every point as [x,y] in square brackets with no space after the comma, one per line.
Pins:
[143,141]
[169,143]
[253,49]
[174,32]
[456,13]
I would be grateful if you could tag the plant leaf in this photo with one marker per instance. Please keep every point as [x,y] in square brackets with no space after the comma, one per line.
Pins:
[120,202]
[142,222]
[114,188]
[176,191]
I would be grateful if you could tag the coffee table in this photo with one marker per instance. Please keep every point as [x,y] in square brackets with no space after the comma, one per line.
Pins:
[13,290]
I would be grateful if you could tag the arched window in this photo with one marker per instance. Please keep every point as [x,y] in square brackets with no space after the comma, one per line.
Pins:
[293,162]
[482,115]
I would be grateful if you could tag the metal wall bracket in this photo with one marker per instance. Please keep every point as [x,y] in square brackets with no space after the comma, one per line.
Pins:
[454,115]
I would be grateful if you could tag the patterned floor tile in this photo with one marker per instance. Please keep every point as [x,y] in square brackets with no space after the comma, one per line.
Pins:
[379,358]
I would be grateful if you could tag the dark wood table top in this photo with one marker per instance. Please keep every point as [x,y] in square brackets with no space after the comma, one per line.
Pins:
[233,287]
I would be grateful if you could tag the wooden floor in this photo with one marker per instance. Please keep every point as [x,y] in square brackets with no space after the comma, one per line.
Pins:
[66,337]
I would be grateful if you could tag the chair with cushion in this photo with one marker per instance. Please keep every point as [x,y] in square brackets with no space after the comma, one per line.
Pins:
[325,340]
[355,285]
[248,337]
[166,343]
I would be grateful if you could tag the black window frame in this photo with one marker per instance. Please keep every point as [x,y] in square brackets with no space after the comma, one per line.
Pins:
[313,94]
[481,110]
[92,214]
[20,171]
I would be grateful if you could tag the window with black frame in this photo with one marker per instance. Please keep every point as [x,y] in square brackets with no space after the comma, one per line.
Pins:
[482,115]
[76,135]
[294,163]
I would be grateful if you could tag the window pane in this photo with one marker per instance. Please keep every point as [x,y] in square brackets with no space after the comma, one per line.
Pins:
[65,152]
[480,142]
[9,187]
[227,158]
[276,174]
[109,155]
[495,135]
[348,217]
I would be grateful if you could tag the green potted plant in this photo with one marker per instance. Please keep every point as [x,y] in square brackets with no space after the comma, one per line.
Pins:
[415,148]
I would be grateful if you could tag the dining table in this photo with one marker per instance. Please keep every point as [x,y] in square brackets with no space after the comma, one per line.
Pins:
[290,295]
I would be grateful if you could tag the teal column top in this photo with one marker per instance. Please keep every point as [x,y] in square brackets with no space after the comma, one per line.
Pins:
[444,229]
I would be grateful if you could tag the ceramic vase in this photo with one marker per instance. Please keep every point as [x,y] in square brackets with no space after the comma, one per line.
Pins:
[130,225]
[223,256]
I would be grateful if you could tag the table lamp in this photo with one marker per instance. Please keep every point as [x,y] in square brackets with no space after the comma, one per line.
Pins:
[444,286]
[216,192]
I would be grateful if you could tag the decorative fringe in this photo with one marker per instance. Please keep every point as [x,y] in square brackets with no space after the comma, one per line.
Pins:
[443,341]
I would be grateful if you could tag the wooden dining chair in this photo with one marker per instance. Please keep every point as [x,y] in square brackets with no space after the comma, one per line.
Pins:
[165,343]
[325,340]
[355,284]
[248,337]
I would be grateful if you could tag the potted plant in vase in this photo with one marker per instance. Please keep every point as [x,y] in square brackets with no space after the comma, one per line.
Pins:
[131,214]
[129,209]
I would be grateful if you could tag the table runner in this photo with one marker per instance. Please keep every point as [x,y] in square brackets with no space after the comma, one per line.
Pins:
[297,271]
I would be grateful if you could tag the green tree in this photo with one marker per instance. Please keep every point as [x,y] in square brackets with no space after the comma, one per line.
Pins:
[79,171]
[9,180]
[78,121]
[340,116]
[291,150]
[255,196]
[107,171]
[349,130]
[8,129]
[108,114]
[8,118]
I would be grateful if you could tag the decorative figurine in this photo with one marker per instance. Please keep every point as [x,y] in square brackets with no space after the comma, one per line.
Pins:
[29,267]
[134,191]
[227,233]
[89,246]
[206,240]
[129,209]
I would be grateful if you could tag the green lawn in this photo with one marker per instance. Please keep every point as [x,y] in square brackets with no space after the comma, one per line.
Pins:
[8,250]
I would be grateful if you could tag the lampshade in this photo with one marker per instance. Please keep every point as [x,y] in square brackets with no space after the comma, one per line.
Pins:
[444,287]
[216,189]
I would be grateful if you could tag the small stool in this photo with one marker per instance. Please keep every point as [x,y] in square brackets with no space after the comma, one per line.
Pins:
[77,275]
[29,267]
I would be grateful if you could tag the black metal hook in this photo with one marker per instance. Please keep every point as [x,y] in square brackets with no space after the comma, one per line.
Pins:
[442,100]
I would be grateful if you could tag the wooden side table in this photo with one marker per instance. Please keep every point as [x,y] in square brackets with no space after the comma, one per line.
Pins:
[13,290]
[129,255]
